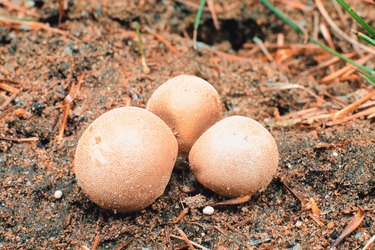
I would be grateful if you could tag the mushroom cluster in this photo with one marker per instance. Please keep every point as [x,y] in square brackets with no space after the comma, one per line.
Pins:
[125,158]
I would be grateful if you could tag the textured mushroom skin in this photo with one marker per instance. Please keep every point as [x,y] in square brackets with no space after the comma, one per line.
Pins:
[189,105]
[235,157]
[125,158]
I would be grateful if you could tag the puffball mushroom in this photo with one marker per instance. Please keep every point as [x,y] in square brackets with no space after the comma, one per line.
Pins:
[125,158]
[235,157]
[189,105]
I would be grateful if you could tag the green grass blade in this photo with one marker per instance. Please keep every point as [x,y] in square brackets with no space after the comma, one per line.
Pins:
[354,14]
[366,71]
[197,21]
[365,38]
[199,14]
[342,57]
[282,16]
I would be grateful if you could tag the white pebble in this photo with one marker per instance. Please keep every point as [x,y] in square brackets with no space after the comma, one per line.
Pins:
[208,210]
[335,154]
[58,194]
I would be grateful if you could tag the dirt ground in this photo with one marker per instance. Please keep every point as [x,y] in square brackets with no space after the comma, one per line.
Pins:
[331,163]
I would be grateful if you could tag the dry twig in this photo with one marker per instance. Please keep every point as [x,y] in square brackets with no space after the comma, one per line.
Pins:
[192,242]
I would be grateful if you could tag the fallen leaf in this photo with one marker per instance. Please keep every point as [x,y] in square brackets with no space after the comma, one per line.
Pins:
[353,224]
[314,207]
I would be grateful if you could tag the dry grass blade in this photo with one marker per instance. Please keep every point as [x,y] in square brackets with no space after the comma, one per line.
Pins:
[73,93]
[369,243]
[9,88]
[234,201]
[353,224]
[186,239]
[353,106]
[33,25]
[192,242]
[60,4]
[31,139]
[284,86]
[345,69]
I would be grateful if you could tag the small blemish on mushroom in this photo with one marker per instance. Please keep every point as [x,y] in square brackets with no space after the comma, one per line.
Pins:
[98,139]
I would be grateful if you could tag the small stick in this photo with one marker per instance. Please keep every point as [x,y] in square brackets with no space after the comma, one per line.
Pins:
[96,242]
[60,4]
[192,242]
[263,48]
[33,25]
[292,192]
[123,245]
[182,214]
[343,70]
[369,242]
[353,225]
[73,93]
[368,111]
[242,223]
[234,201]
[19,9]
[316,220]
[327,36]
[230,56]
[162,40]
[8,101]
[341,113]
[31,139]
[327,63]
[10,81]
[185,238]
[352,69]
[211,7]
[283,46]
[8,88]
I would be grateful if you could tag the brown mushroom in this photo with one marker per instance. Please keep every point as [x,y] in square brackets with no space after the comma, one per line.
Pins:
[235,157]
[124,159]
[189,105]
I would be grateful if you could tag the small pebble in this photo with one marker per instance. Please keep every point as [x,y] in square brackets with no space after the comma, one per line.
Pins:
[208,210]
[297,247]
[335,154]
[58,194]
[330,225]
[299,223]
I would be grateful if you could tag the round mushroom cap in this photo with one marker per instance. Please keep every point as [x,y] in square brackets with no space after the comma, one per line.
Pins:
[125,158]
[189,105]
[235,157]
